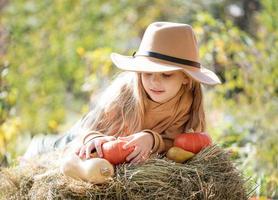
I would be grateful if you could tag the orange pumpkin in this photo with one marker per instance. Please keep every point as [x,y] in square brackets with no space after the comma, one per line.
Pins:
[113,151]
[193,142]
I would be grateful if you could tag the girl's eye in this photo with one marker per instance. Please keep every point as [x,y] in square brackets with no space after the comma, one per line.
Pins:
[166,75]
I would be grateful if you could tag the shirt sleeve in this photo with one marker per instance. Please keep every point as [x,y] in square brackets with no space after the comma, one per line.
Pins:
[90,135]
[158,144]
[164,141]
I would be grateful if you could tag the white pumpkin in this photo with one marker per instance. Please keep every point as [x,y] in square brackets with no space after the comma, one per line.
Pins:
[94,170]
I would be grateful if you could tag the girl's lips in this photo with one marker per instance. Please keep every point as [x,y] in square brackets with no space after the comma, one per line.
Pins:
[156,91]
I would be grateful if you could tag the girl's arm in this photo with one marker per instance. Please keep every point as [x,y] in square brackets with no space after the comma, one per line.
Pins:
[158,144]
[164,141]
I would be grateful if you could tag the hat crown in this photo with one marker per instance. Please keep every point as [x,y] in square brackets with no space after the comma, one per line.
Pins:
[172,39]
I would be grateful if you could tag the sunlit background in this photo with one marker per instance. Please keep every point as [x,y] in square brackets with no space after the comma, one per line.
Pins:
[54,56]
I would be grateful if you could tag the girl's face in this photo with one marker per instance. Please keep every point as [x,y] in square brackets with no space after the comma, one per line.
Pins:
[161,87]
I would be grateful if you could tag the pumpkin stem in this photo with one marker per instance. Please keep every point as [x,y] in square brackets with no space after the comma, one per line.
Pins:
[105,171]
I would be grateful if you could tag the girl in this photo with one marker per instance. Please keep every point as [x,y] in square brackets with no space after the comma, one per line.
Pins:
[157,97]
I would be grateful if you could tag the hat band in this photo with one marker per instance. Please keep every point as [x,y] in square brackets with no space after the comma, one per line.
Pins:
[167,58]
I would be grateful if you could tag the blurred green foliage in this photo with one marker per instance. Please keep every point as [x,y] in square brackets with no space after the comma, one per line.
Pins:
[55,54]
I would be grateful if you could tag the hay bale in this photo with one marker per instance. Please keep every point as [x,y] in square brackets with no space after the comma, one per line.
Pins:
[209,175]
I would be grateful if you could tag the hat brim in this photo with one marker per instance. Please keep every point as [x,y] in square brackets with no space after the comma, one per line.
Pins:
[149,64]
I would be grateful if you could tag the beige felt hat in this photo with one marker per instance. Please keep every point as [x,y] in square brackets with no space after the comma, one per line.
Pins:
[167,46]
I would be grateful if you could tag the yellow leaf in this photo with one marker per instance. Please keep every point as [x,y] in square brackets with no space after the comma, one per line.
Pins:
[9,129]
[80,51]
[52,124]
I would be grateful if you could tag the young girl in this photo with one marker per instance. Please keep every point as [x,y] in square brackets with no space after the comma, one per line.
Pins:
[156,97]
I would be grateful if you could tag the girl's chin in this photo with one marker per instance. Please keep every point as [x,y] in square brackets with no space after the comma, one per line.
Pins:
[158,100]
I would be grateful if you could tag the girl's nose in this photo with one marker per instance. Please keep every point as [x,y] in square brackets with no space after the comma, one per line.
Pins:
[155,79]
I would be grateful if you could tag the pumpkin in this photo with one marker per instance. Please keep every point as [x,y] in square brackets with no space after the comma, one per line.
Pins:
[94,170]
[192,141]
[113,151]
[178,154]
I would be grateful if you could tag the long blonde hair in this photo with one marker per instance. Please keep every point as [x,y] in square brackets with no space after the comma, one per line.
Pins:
[197,119]
[121,104]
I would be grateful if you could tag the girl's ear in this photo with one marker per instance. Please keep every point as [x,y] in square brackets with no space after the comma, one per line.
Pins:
[185,79]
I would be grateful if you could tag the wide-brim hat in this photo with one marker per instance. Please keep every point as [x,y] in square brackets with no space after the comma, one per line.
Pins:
[167,46]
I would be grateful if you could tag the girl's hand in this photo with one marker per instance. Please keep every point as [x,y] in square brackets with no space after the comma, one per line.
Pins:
[85,150]
[143,143]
